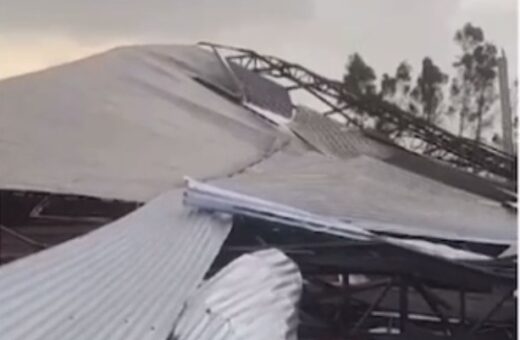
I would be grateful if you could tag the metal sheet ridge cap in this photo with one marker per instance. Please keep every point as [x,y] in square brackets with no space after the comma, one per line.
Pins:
[230,200]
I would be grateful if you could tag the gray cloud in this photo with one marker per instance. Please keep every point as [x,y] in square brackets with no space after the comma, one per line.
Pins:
[146,18]
[317,33]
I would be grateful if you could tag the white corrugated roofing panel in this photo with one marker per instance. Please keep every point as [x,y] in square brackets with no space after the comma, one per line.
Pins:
[127,280]
[208,197]
[254,297]
[331,138]
[126,124]
[380,196]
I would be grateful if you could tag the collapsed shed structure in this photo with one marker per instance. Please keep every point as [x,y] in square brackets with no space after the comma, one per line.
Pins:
[294,226]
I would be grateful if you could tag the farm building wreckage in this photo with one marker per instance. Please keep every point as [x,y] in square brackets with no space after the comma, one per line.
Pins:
[291,224]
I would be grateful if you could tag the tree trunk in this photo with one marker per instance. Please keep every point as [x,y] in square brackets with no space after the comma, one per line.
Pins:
[478,131]
[429,104]
[464,111]
[462,119]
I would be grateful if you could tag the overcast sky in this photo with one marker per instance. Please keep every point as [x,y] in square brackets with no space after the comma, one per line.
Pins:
[317,33]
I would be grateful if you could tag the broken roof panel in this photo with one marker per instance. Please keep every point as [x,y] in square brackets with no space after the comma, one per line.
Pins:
[379,196]
[127,280]
[126,124]
[263,92]
[254,297]
[437,257]
[330,138]
[208,197]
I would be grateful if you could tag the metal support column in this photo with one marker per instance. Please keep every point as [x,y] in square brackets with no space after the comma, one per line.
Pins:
[462,301]
[403,304]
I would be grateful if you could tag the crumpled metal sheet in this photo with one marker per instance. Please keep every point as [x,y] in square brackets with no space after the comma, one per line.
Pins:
[371,190]
[126,280]
[211,198]
[255,297]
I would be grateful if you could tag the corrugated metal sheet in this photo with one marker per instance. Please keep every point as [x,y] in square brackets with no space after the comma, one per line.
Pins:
[254,298]
[330,138]
[127,280]
[124,124]
[369,190]
[207,197]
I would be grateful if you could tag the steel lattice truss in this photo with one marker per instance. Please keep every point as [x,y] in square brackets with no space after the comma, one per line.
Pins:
[459,151]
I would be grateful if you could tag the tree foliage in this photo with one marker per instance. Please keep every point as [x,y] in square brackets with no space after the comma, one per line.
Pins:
[400,82]
[428,91]
[359,78]
[396,89]
[469,96]
[474,91]
[388,86]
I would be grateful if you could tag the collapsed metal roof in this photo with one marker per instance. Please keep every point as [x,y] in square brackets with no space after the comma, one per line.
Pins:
[126,124]
[376,194]
[130,123]
[414,261]
[352,106]
[127,280]
[210,198]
